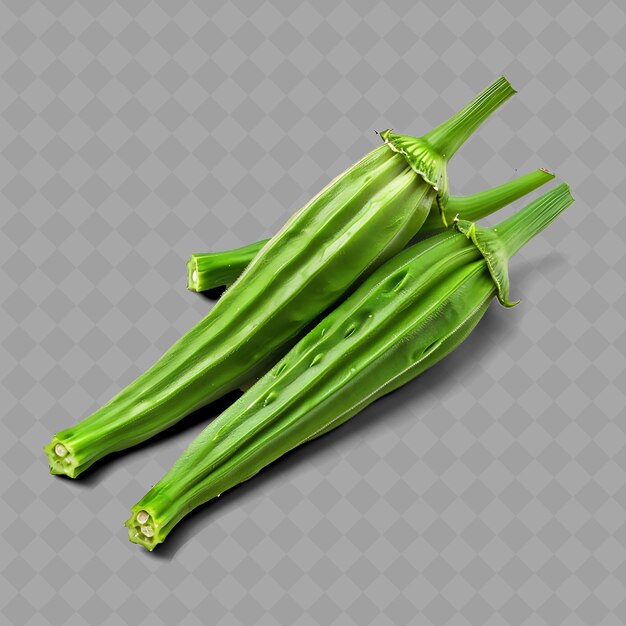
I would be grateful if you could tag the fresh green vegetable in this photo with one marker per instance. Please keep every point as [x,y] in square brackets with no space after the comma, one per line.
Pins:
[404,318]
[208,270]
[351,227]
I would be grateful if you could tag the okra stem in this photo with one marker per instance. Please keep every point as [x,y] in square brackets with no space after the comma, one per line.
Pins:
[521,227]
[499,243]
[448,137]
[216,269]
[478,205]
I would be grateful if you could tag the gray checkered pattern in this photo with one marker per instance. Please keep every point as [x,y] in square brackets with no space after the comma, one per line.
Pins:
[490,491]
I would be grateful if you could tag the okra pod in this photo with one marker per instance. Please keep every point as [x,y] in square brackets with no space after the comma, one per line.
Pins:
[208,270]
[405,317]
[360,220]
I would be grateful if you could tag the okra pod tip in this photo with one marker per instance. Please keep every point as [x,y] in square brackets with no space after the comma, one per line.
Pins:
[61,458]
[192,273]
[142,529]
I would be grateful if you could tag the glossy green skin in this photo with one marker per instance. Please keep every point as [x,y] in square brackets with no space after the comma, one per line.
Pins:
[354,225]
[218,269]
[360,220]
[404,318]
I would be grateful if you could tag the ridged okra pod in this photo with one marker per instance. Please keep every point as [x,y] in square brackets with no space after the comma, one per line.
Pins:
[361,219]
[405,317]
[208,270]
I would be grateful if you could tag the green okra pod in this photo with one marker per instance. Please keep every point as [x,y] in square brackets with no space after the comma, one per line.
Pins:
[208,270]
[405,317]
[356,223]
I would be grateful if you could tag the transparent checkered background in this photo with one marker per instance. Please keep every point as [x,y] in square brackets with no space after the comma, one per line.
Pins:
[490,491]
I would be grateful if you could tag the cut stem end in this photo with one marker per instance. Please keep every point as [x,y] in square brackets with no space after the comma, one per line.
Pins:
[61,459]
[143,529]
[192,273]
